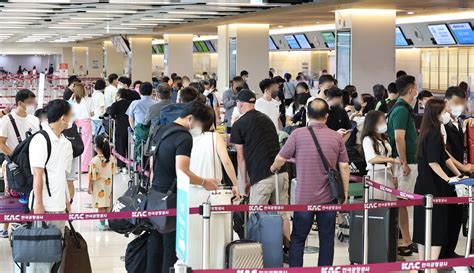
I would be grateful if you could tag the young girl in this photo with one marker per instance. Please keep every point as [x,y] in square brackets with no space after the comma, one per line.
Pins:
[101,169]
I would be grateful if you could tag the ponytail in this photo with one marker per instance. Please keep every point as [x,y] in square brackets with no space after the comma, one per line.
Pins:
[103,144]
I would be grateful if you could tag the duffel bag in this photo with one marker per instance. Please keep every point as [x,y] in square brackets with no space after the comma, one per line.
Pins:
[36,244]
[75,255]
[136,254]
[129,201]
[156,200]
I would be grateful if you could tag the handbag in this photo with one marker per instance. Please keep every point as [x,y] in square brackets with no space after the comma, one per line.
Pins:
[36,244]
[75,257]
[72,134]
[334,176]
[157,200]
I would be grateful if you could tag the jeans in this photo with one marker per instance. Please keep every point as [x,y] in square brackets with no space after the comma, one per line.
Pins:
[161,252]
[302,223]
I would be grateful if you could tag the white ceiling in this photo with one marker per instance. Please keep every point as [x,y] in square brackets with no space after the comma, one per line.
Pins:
[69,21]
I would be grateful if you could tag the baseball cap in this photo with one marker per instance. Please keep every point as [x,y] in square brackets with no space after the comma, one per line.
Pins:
[246,95]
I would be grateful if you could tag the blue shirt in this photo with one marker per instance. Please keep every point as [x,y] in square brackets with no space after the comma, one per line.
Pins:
[139,108]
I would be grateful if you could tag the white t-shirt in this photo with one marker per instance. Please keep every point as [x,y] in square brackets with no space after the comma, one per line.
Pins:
[369,152]
[99,101]
[269,108]
[110,93]
[24,124]
[83,109]
[58,165]
[205,161]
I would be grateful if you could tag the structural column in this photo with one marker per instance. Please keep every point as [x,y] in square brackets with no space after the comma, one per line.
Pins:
[365,47]
[243,47]
[141,59]
[179,54]
[67,58]
[114,60]
[96,61]
[80,61]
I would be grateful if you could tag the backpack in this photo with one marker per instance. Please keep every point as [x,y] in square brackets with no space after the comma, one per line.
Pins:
[18,168]
[170,113]
[72,134]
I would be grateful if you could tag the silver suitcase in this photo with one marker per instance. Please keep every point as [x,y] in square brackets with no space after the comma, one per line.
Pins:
[243,254]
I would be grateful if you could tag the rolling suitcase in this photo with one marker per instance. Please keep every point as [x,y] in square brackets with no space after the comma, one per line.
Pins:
[383,235]
[267,228]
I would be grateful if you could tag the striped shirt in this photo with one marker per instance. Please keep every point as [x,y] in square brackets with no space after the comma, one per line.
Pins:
[313,186]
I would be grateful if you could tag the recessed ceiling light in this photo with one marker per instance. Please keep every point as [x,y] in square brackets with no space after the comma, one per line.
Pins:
[20,18]
[280,26]
[7,27]
[28,10]
[74,23]
[193,12]
[92,18]
[111,11]
[120,28]
[15,23]
[318,22]
[86,34]
[162,19]
[45,34]
[137,24]
[65,27]
[410,12]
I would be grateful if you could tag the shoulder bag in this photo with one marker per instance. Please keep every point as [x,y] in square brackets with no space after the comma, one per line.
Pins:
[334,176]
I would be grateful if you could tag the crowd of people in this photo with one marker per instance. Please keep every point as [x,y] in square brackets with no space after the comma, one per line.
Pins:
[409,139]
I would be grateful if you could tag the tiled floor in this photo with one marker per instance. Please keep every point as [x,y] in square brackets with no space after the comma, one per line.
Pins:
[106,248]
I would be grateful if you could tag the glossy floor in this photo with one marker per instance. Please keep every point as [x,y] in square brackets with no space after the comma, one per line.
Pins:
[106,248]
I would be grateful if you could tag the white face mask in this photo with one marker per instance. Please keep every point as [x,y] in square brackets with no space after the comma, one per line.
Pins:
[196,131]
[445,118]
[206,92]
[382,129]
[30,109]
[457,110]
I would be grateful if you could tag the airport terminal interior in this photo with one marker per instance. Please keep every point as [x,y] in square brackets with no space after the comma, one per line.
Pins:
[383,84]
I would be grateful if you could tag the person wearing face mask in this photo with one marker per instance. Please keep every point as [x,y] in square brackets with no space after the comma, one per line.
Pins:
[378,152]
[337,120]
[325,82]
[454,137]
[229,99]
[174,153]
[297,110]
[211,98]
[268,104]
[111,90]
[402,134]
[256,141]
[176,87]
[13,129]
[118,111]
[57,165]
[435,170]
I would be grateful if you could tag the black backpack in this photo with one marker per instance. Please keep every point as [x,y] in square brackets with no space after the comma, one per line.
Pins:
[136,255]
[20,178]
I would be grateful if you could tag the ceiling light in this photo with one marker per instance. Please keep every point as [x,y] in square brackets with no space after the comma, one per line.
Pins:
[84,34]
[120,28]
[280,26]
[65,27]
[162,19]
[44,34]
[92,18]
[468,15]
[318,22]
[245,4]
[111,11]
[410,12]
[28,10]
[16,23]
[136,24]
[20,18]
[193,12]
[74,23]
[7,27]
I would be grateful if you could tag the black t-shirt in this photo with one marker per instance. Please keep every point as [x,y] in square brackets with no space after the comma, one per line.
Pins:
[132,95]
[118,111]
[164,164]
[338,119]
[260,139]
[67,93]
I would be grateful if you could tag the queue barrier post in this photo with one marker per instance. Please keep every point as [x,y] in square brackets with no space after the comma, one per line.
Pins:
[428,227]
[79,169]
[470,219]
[180,267]
[205,212]
[366,221]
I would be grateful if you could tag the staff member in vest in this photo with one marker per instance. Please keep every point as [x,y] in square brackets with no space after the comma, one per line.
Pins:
[59,163]
[13,129]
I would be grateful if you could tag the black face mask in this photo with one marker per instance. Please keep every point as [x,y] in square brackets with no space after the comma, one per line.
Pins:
[275,95]
[179,85]
[238,88]
[303,98]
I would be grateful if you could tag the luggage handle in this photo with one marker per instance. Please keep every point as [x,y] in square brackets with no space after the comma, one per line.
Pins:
[29,225]
[277,189]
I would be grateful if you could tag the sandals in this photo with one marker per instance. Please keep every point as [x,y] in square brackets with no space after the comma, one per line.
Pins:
[405,251]
[414,247]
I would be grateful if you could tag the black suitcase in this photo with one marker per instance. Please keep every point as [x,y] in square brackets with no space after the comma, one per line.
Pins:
[383,235]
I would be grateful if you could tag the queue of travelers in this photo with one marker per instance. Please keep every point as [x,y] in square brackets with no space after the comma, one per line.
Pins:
[410,140]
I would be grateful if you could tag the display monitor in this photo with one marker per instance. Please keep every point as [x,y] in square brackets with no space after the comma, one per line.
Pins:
[154,49]
[303,41]
[441,34]
[329,39]
[203,46]
[463,33]
[271,44]
[210,46]
[195,48]
[161,48]
[400,39]
[292,42]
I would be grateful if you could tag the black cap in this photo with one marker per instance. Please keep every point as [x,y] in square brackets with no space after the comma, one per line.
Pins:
[246,96]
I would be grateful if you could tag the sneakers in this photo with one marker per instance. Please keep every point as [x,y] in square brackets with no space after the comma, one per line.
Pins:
[102,227]
[4,234]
